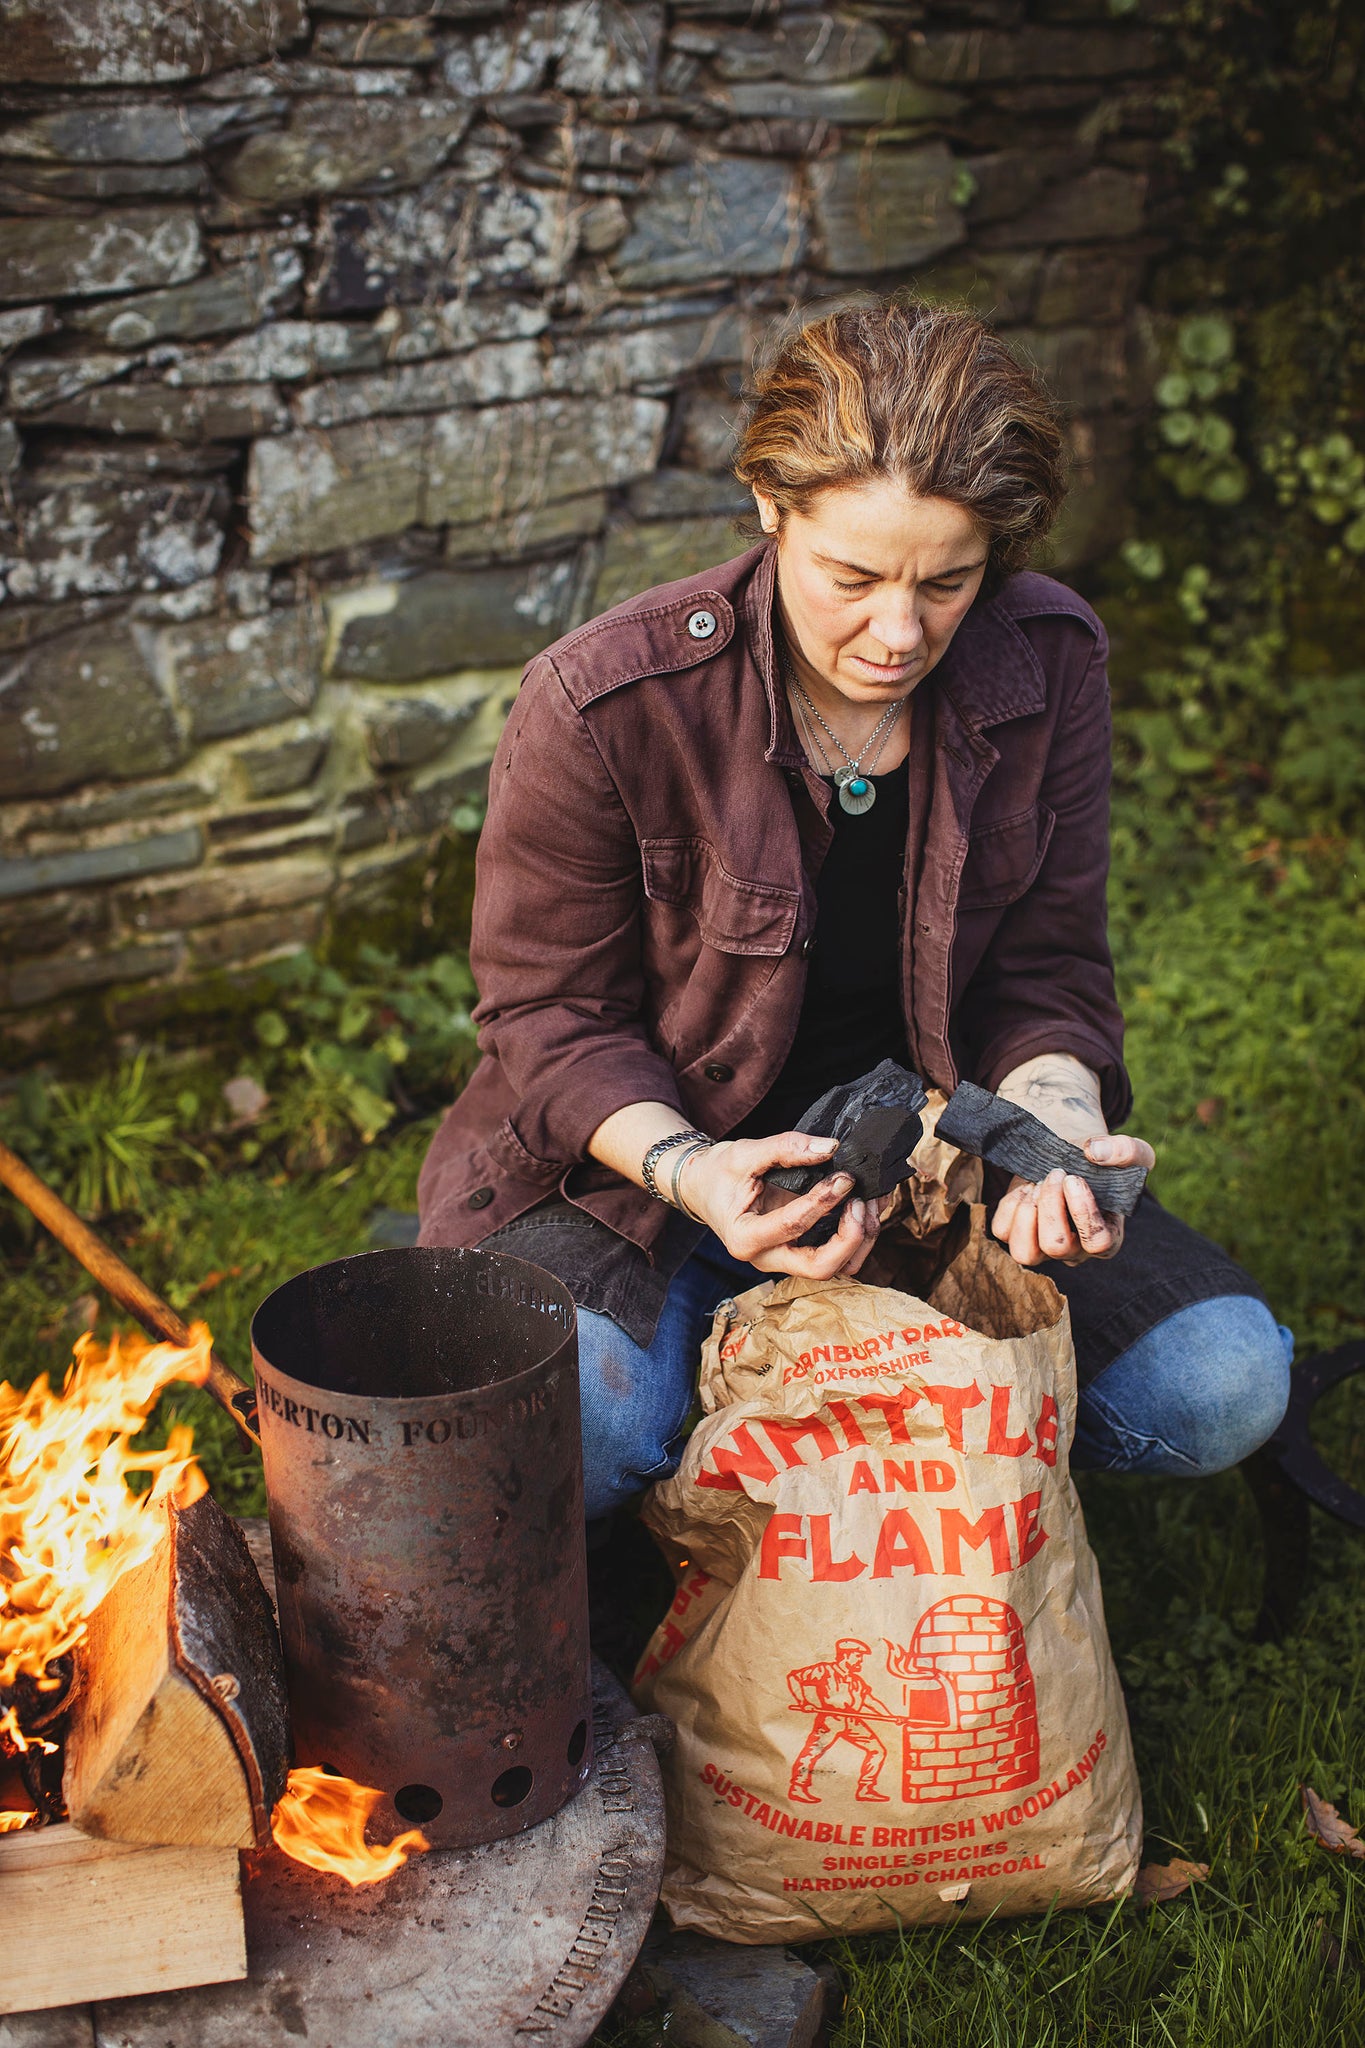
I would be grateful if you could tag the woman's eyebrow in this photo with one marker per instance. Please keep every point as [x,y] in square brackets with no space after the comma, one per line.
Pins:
[965,569]
[856,569]
[853,568]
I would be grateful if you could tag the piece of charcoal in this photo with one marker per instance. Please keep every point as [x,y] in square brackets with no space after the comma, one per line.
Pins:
[1008,1136]
[876,1120]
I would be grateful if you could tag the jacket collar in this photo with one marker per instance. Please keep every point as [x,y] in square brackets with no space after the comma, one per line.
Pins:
[991,672]
[760,606]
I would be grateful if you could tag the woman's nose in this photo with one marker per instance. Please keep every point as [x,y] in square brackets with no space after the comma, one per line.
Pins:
[898,628]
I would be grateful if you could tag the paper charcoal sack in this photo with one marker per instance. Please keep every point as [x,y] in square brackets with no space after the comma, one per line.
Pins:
[887,1658]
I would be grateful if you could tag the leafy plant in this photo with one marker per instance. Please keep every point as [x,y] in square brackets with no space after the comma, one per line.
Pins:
[324,1103]
[103,1144]
[1328,474]
[342,1054]
[1200,440]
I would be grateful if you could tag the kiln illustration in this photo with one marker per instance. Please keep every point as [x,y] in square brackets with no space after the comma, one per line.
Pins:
[962,1697]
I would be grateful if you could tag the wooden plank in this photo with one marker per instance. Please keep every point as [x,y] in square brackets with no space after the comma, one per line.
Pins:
[85,1919]
[178,1729]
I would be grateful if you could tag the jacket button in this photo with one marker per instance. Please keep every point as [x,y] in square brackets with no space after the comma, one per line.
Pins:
[808,947]
[718,1071]
[702,625]
[480,1198]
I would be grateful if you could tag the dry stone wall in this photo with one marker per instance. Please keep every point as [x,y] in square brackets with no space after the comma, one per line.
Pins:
[355,351]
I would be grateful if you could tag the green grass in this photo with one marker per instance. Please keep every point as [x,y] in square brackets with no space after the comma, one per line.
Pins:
[1245,995]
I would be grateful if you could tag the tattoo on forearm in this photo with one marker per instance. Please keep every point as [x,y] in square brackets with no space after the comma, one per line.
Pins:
[1061,1092]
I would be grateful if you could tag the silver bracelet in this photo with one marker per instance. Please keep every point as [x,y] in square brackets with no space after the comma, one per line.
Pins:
[680,1159]
[656,1152]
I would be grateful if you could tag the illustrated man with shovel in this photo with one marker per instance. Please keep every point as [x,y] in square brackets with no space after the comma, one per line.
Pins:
[841,1699]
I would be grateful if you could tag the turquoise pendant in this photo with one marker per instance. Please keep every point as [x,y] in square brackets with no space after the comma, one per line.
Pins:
[857,795]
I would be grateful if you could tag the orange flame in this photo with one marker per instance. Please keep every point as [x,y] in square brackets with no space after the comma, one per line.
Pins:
[69,1526]
[321,1822]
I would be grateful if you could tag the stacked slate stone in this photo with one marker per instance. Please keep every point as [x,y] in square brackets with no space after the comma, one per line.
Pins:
[354,352]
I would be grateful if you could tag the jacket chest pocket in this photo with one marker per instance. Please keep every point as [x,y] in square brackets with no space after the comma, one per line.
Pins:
[733,915]
[1002,859]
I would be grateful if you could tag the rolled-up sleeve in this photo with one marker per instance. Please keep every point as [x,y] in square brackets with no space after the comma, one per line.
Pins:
[555,946]
[1046,982]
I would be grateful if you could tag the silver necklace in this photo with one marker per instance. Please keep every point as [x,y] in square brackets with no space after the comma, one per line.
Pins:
[853,781]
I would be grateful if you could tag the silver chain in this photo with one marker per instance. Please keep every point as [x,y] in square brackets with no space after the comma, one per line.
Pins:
[813,736]
[882,729]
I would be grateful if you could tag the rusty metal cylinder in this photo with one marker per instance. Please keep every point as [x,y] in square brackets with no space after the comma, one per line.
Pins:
[420,1428]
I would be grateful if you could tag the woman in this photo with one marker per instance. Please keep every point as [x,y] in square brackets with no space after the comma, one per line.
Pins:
[840,799]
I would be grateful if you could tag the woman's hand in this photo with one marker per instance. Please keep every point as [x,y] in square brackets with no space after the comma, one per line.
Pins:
[1059,1218]
[723,1187]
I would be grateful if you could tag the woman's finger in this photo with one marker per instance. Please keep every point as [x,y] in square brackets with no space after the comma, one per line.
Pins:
[1006,1209]
[1023,1237]
[824,1261]
[1092,1227]
[1056,1238]
[765,1230]
[1114,1226]
[864,1251]
[817,1262]
[788,1148]
[1120,1150]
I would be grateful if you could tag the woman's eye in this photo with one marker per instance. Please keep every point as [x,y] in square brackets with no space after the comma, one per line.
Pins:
[865,584]
[943,589]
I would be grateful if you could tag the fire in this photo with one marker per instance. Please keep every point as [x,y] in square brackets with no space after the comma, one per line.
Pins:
[321,1822]
[69,1525]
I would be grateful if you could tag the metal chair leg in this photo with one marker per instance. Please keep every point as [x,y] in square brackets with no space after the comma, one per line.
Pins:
[1289,1473]
[1286,1540]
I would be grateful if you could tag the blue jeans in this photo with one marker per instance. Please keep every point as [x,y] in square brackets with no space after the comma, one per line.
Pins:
[1196,1393]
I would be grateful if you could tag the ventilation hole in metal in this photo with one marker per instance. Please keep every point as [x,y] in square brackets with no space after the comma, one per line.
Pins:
[418,1802]
[578,1742]
[513,1786]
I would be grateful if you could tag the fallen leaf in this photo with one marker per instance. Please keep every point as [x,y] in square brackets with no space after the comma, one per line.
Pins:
[1209,1110]
[246,1098]
[1326,1825]
[1157,1882]
[216,1279]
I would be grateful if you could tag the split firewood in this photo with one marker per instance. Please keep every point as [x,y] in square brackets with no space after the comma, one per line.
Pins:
[86,1919]
[178,1727]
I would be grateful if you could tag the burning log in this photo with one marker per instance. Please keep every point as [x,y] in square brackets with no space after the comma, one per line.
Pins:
[178,1732]
[173,1716]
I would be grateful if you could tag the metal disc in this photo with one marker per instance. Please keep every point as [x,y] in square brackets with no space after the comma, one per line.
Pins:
[856,805]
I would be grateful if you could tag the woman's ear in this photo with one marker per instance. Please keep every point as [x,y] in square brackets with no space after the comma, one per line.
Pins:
[769,518]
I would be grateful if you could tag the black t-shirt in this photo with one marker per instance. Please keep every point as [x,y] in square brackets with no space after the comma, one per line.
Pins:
[851,1016]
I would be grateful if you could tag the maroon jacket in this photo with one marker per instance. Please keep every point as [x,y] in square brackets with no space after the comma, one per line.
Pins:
[645,892]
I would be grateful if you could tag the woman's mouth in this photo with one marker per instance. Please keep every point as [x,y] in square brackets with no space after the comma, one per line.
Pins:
[883,671]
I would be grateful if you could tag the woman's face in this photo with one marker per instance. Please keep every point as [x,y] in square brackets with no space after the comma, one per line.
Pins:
[873,583]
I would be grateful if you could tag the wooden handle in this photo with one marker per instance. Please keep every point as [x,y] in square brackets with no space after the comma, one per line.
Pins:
[156,1316]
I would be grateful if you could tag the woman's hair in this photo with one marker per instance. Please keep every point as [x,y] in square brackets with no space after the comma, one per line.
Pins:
[923,394]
